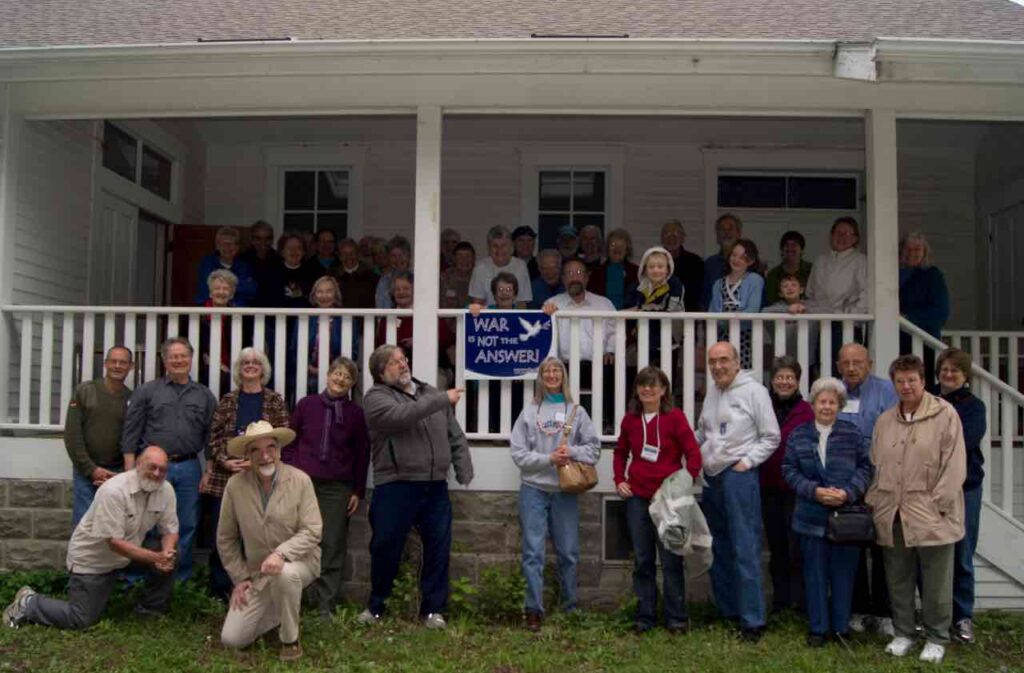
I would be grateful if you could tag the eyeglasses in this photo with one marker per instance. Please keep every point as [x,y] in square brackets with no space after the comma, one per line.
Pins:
[784,378]
[248,363]
[398,361]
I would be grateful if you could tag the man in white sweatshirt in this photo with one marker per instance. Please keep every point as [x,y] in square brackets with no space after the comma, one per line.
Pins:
[737,432]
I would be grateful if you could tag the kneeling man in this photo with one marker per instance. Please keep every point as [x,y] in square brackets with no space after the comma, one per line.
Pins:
[269,540]
[108,539]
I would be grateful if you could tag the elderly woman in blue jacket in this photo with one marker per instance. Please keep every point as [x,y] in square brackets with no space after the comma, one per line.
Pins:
[828,465]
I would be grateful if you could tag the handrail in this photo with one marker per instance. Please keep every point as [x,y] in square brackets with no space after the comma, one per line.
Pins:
[681,315]
[984,333]
[976,369]
[206,310]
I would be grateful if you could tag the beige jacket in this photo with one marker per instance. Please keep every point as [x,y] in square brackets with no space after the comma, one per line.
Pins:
[920,466]
[291,524]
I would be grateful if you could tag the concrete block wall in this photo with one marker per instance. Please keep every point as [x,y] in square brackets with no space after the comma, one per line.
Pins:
[35,523]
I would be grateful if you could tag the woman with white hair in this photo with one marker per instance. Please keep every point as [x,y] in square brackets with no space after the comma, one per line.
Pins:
[249,402]
[924,297]
[550,433]
[827,464]
[222,285]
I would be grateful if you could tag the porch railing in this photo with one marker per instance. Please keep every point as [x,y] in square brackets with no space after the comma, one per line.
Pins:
[999,352]
[56,347]
[1003,445]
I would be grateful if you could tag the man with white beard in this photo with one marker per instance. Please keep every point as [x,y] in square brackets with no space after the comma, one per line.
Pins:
[108,539]
[415,441]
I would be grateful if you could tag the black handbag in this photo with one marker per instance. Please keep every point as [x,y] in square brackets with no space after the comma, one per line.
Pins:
[851,524]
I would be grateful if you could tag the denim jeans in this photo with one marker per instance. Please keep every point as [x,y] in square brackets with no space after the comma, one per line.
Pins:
[777,516]
[83,491]
[539,512]
[829,574]
[963,558]
[646,548]
[732,506]
[184,477]
[395,509]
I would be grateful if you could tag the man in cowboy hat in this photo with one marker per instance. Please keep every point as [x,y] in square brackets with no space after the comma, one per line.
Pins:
[268,539]
[108,539]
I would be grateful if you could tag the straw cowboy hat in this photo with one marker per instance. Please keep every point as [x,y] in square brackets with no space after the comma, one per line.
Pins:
[238,447]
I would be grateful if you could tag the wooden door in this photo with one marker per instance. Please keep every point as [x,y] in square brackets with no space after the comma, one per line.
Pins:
[192,242]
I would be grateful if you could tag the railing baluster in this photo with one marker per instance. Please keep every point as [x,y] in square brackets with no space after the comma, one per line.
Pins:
[391,330]
[323,353]
[236,340]
[802,350]
[214,353]
[665,324]
[25,384]
[281,353]
[985,394]
[193,338]
[172,326]
[302,357]
[976,351]
[597,378]
[259,333]
[574,356]
[46,369]
[824,346]
[460,370]
[780,338]
[734,334]
[689,347]
[67,354]
[993,355]
[109,325]
[346,336]
[620,371]
[128,340]
[151,348]
[917,346]
[1008,421]
[643,343]
[369,334]
[505,416]
[483,407]
[757,350]
[847,332]
[1011,362]
[88,341]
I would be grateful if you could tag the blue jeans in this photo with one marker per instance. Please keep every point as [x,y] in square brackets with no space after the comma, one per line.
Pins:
[395,509]
[184,478]
[830,571]
[540,511]
[646,547]
[963,558]
[732,506]
[83,492]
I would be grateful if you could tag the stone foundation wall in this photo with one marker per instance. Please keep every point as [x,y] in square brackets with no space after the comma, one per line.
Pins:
[35,524]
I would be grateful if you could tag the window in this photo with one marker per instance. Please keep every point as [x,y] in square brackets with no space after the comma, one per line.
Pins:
[137,161]
[569,197]
[316,199]
[793,192]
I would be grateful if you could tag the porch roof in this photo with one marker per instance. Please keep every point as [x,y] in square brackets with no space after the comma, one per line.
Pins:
[46,23]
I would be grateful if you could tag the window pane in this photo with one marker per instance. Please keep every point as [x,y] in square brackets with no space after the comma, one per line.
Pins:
[156,172]
[828,193]
[299,190]
[554,190]
[332,192]
[588,191]
[580,221]
[298,222]
[751,191]
[336,222]
[119,151]
[617,545]
[547,228]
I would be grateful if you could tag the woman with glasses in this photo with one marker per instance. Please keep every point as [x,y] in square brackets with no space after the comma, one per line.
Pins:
[251,401]
[332,446]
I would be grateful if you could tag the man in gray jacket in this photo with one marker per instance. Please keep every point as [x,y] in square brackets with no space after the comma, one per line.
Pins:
[415,440]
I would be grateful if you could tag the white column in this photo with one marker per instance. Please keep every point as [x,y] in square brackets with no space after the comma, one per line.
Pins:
[883,236]
[10,132]
[427,242]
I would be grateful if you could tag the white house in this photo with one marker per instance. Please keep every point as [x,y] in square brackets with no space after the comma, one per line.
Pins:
[119,127]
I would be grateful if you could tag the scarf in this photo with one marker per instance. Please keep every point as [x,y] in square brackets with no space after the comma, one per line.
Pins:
[333,413]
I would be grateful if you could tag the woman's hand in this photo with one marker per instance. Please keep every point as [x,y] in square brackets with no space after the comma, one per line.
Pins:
[624,491]
[560,456]
[353,504]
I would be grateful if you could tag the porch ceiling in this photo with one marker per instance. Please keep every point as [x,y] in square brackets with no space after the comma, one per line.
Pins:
[105,22]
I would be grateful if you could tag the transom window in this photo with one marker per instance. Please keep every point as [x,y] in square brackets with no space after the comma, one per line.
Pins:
[575,197]
[787,192]
[137,161]
[316,199]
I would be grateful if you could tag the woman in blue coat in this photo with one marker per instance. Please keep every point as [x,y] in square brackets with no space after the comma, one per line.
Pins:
[828,465]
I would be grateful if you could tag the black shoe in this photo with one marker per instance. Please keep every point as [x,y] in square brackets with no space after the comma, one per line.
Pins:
[816,640]
[751,635]
[641,628]
[679,628]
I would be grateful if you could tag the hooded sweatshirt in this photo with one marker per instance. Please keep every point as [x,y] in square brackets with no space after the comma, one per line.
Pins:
[532,445]
[737,424]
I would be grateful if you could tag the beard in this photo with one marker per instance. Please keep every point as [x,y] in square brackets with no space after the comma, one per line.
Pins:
[575,289]
[149,485]
[268,470]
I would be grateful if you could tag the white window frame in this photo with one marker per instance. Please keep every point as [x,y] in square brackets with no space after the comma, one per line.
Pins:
[772,161]
[150,135]
[608,158]
[347,157]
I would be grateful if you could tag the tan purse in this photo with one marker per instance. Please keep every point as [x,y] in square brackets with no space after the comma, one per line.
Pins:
[575,477]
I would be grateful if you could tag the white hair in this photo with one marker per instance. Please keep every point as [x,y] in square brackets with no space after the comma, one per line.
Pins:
[829,384]
[236,368]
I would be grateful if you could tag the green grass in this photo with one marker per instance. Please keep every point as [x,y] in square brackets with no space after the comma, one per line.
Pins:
[187,640]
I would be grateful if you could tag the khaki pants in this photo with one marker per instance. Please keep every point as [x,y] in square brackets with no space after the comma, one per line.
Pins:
[936,568]
[273,601]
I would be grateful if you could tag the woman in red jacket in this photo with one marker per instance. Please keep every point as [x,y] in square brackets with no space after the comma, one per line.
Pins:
[655,441]
[777,498]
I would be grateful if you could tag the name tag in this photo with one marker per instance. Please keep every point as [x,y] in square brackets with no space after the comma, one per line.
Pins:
[852,407]
[650,453]
[559,417]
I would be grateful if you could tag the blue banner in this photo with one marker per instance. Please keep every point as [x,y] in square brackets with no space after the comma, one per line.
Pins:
[507,344]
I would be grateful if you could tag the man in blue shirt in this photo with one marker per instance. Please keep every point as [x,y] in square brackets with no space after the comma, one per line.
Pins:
[549,282]
[728,229]
[867,397]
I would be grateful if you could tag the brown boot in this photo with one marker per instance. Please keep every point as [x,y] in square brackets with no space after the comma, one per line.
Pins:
[290,651]
[534,620]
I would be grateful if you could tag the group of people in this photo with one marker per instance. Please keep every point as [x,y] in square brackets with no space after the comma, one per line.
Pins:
[282,488]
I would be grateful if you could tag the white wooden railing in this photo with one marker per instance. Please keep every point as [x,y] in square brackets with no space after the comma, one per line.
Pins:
[999,352]
[1003,446]
[56,347]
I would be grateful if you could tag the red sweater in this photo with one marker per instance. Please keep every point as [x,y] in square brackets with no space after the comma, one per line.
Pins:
[677,441]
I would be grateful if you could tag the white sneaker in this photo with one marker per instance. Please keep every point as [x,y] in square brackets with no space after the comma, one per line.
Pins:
[367,618]
[933,653]
[899,646]
[886,628]
[857,623]
[435,620]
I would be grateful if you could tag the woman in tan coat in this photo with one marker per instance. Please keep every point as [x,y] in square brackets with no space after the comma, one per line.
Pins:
[920,466]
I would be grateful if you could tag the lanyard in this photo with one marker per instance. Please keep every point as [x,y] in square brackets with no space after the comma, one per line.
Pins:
[657,425]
